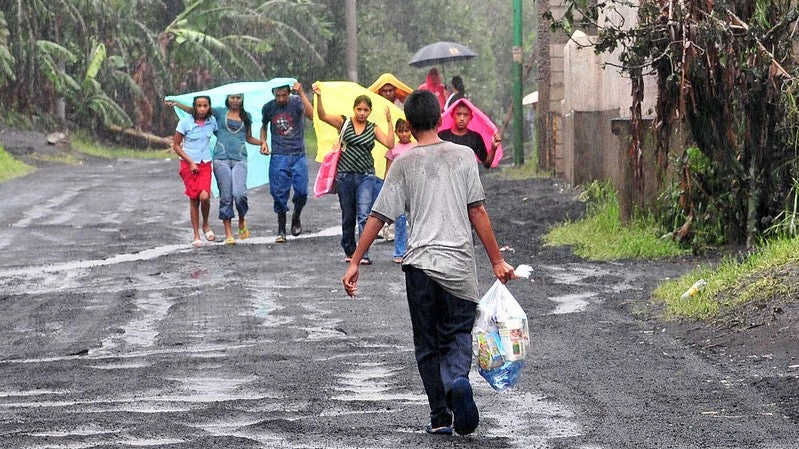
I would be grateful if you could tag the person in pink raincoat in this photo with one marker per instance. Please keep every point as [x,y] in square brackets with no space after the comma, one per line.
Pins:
[459,133]
[433,84]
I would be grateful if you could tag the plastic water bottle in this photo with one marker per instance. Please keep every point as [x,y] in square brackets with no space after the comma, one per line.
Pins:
[503,377]
[696,288]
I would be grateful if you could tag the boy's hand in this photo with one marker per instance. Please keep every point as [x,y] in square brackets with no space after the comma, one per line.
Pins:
[388,115]
[495,140]
[503,271]
[350,279]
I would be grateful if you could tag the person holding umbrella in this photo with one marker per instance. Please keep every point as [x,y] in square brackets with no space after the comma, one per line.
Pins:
[433,84]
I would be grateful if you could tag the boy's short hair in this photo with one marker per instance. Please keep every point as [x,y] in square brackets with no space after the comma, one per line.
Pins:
[422,110]
[277,89]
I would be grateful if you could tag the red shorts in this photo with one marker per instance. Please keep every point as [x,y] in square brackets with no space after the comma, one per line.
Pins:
[196,182]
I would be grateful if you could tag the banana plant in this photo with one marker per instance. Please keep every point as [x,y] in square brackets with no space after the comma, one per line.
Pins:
[91,101]
[6,58]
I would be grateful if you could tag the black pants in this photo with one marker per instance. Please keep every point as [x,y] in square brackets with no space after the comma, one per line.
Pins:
[442,337]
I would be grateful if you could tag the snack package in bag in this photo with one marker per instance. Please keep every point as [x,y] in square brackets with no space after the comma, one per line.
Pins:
[500,337]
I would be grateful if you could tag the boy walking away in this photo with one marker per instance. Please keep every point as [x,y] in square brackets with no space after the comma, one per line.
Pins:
[288,167]
[439,183]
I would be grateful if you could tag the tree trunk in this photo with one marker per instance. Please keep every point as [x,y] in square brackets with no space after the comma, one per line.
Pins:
[543,115]
[151,140]
[351,25]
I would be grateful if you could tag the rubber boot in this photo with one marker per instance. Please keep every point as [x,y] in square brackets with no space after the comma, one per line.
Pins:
[281,228]
[296,226]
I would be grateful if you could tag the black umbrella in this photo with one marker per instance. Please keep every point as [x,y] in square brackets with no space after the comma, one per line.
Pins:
[441,52]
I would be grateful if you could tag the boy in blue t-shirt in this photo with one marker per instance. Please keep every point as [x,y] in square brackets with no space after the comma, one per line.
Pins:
[285,117]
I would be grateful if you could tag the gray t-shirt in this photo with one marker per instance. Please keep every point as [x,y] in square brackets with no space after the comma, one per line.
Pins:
[435,185]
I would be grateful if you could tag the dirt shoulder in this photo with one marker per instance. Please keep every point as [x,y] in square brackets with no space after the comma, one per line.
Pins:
[36,148]
[758,342]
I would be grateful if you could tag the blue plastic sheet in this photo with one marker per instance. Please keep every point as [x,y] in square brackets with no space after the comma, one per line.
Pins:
[256,94]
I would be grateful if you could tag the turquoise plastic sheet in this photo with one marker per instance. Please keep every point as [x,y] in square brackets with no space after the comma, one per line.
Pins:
[256,95]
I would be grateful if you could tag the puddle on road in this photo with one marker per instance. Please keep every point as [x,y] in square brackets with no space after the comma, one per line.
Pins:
[373,382]
[140,332]
[128,365]
[34,276]
[57,203]
[570,303]
[323,326]
[197,274]
[264,304]
[574,274]
[571,274]
[30,393]
[530,411]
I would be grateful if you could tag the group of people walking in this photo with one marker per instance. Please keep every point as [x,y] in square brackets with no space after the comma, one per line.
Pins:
[433,184]
[288,168]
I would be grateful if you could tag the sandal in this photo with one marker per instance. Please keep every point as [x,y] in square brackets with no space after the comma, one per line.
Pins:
[230,241]
[443,430]
[244,233]
[366,261]
[210,236]
[197,243]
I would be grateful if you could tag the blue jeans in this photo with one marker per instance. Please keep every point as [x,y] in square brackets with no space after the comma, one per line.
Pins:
[400,236]
[355,192]
[378,187]
[442,339]
[231,178]
[287,171]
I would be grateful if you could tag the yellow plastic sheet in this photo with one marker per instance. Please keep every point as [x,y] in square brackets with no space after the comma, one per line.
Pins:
[338,98]
[402,89]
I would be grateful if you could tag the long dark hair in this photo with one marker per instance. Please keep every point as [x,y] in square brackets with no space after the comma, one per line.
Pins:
[194,103]
[245,116]
[457,83]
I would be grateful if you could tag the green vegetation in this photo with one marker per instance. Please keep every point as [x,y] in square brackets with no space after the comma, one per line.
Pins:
[528,170]
[761,275]
[734,282]
[83,145]
[11,168]
[310,141]
[724,75]
[602,236]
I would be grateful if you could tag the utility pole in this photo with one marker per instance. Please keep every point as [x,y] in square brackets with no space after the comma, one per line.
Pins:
[518,116]
[351,42]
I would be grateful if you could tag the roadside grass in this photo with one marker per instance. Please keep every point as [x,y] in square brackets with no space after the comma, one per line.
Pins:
[310,141]
[12,168]
[602,236]
[768,272]
[82,144]
[528,170]
[734,282]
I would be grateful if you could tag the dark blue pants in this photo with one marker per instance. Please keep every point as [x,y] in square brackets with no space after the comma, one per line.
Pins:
[442,337]
[355,198]
[287,171]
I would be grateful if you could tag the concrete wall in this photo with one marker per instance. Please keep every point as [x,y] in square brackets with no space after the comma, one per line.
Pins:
[594,92]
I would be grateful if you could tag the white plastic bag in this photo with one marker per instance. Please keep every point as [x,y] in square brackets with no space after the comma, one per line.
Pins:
[500,337]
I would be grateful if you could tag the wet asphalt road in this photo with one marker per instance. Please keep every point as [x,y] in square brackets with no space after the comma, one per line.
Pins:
[115,333]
